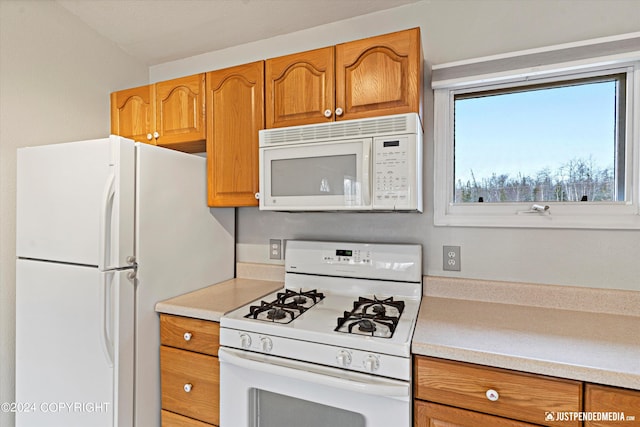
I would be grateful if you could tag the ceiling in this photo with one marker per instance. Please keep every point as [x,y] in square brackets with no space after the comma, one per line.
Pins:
[157,31]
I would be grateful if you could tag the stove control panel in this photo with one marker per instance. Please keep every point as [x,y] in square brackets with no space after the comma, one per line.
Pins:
[316,353]
[347,256]
[380,261]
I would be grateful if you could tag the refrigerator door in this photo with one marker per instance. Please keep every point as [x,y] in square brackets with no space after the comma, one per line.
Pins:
[74,346]
[75,202]
[181,245]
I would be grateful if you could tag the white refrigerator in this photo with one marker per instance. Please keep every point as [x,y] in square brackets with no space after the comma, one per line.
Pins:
[105,229]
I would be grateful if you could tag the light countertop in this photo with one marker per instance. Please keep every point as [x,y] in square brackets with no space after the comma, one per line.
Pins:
[577,333]
[212,302]
[571,342]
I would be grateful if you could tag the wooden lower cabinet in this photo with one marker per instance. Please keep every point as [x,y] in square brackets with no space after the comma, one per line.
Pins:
[479,392]
[621,405]
[427,414]
[189,372]
[169,419]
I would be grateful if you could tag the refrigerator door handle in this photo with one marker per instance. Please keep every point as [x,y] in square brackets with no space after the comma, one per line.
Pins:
[105,324]
[105,223]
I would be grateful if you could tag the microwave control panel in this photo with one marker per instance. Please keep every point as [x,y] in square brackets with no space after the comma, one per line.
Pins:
[395,179]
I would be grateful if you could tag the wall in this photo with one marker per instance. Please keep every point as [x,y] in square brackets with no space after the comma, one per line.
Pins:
[453,30]
[55,78]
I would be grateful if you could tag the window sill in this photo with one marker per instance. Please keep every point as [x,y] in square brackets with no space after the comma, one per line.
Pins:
[539,220]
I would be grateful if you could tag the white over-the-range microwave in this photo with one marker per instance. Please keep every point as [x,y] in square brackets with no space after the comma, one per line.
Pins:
[372,164]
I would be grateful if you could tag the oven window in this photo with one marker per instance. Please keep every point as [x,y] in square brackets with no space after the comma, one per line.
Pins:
[314,176]
[277,410]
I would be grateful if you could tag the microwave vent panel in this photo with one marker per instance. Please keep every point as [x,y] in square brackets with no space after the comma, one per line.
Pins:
[379,126]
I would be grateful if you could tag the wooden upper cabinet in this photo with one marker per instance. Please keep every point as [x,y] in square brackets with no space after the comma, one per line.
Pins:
[300,88]
[235,114]
[180,113]
[376,76]
[380,76]
[133,113]
[170,113]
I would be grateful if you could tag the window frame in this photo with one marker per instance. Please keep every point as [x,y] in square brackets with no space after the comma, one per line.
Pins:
[606,215]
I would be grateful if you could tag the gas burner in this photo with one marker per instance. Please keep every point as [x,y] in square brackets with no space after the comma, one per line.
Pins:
[302,298]
[373,317]
[276,314]
[299,300]
[365,325]
[285,307]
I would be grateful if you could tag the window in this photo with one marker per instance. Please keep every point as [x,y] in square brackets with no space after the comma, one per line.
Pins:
[542,146]
[555,142]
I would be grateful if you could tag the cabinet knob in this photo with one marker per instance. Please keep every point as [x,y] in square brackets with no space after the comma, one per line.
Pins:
[257,196]
[187,387]
[187,336]
[149,136]
[492,395]
[327,113]
[339,111]
[156,135]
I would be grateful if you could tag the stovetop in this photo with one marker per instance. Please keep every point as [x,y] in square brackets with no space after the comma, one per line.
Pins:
[325,322]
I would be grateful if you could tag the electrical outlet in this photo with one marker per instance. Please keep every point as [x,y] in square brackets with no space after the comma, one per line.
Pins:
[451,258]
[275,249]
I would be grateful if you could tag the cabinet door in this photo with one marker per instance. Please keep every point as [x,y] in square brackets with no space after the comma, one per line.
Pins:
[235,112]
[428,414]
[517,395]
[133,113]
[300,88]
[380,75]
[190,384]
[180,113]
[202,336]
[169,419]
[612,401]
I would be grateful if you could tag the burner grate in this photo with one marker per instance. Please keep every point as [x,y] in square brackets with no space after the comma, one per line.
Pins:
[287,306]
[373,317]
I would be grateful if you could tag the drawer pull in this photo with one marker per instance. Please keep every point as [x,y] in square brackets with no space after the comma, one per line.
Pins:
[188,387]
[492,395]
[187,336]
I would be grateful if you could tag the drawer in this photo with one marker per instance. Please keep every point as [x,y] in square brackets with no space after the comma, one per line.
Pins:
[202,373]
[598,398]
[169,419]
[190,334]
[428,414]
[521,396]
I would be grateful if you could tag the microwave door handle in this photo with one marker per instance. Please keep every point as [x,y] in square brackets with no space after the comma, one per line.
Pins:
[366,172]
[233,357]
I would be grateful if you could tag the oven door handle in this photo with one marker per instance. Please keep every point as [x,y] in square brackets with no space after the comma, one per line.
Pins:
[322,375]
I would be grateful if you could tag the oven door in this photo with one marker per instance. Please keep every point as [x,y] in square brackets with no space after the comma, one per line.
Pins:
[315,177]
[264,391]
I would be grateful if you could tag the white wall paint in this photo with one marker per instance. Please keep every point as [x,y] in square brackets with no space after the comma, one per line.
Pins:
[55,78]
[454,30]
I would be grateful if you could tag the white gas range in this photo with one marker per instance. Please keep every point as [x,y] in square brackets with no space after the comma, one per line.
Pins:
[334,342]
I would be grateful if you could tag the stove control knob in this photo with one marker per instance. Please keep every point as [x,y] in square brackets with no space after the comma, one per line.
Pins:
[343,358]
[266,343]
[245,341]
[371,363]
